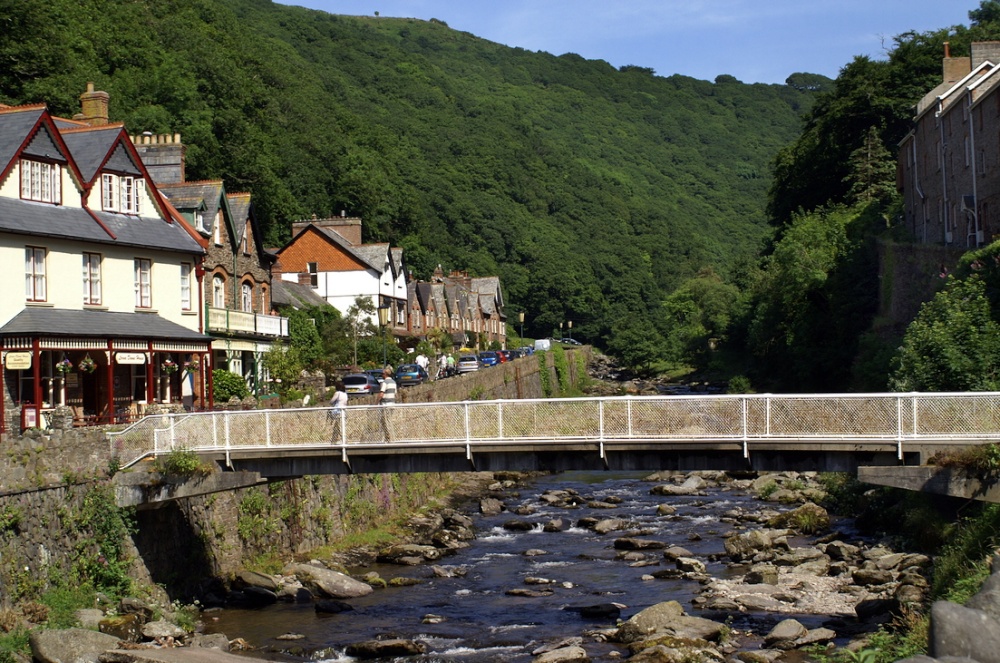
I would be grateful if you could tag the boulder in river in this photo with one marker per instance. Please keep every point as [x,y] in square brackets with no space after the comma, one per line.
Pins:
[371,649]
[71,644]
[328,583]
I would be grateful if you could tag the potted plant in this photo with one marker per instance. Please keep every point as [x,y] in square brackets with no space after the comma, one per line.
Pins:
[87,365]
[168,366]
[192,365]
[64,366]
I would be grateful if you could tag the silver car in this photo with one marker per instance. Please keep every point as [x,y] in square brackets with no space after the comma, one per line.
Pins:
[467,364]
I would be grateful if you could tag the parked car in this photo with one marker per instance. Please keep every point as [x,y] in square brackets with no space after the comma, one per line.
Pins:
[467,364]
[375,373]
[570,341]
[360,384]
[508,355]
[410,375]
[543,344]
[489,358]
[527,350]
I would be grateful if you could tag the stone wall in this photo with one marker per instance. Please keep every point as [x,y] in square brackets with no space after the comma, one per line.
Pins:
[909,274]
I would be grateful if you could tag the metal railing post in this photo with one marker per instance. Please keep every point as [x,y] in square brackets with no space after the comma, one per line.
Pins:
[225,419]
[468,434]
[628,412]
[899,427]
[767,416]
[746,431]
[600,425]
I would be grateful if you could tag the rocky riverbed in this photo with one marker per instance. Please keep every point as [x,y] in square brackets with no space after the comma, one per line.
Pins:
[739,578]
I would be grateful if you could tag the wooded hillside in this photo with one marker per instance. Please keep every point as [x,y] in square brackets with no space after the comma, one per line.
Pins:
[590,191]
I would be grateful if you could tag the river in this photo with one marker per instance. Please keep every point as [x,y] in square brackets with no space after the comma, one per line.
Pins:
[481,622]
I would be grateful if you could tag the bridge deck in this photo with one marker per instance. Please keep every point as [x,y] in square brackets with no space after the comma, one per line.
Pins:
[838,431]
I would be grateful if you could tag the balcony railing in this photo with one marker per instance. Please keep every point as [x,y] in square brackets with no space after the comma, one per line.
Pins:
[242,322]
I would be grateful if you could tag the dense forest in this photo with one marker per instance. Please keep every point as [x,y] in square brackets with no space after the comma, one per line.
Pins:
[716,225]
[591,191]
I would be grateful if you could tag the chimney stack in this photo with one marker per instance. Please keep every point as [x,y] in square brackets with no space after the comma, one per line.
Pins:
[163,155]
[346,226]
[94,107]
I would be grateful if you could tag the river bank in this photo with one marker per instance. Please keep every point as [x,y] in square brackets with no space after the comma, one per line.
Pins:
[717,570]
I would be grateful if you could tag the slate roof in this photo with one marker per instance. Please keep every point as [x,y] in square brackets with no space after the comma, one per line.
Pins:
[204,195]
[89,147]
[147,231]
[15,123]
[289,293]
[102,324]
[42,219]
[373,255]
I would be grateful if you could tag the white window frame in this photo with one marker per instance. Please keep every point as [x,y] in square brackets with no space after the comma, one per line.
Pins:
[109,192]
[92,279]
[41,181]
[122,193]
[246,297]
[218,291]
[313,269]
[143,283]
[185,286]
[34,274]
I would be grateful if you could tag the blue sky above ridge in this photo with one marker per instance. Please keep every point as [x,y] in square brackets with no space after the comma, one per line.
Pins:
[757,42]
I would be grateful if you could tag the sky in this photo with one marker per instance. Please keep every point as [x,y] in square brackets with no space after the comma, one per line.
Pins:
[757,41]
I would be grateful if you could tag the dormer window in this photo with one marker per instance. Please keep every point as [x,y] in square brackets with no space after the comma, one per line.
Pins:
[199,219]
[122,193]
[41,181]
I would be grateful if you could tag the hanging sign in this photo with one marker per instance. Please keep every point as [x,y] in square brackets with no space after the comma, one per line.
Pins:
[17,361]
[130,357]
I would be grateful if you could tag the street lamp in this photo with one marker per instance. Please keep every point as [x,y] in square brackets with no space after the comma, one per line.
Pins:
[560,330]
[569,323]
[520,317]
[383,320]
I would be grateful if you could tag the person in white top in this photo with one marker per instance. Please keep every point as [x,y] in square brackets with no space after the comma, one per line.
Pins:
[337,404]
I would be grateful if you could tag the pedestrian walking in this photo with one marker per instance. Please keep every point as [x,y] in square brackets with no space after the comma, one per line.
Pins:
[337,404]
[386,397]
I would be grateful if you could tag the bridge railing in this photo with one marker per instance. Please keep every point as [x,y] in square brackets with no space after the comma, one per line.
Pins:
[742,418]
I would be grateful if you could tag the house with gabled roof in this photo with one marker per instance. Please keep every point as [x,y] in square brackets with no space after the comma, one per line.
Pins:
[108,321]
[239,315]
[328,256]
[948,166]
[469,308]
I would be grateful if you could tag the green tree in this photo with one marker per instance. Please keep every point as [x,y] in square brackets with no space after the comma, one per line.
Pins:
[284,365]
[638,344]
[953,344]
[872,176]
[304,338]
[702,308]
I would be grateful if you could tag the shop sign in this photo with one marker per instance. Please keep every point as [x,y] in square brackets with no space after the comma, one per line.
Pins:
[130,357]
[17,361]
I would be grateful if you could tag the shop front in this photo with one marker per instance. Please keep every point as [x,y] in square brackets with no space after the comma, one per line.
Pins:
[103,378]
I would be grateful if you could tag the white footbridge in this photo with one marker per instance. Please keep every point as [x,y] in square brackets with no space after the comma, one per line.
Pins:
[756,432]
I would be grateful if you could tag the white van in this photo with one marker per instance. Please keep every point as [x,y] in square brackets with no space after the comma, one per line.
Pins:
[543,345]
